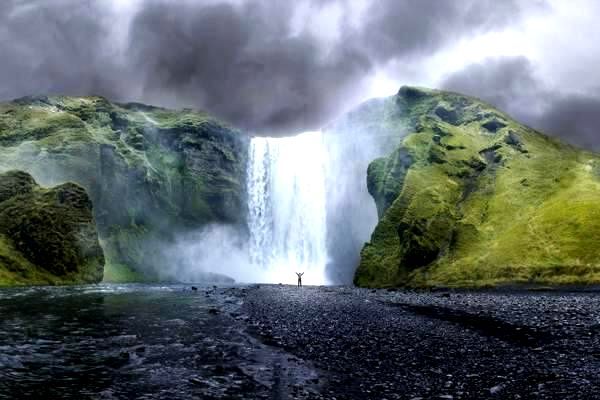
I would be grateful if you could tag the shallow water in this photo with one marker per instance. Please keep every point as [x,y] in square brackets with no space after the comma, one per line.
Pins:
[136,341]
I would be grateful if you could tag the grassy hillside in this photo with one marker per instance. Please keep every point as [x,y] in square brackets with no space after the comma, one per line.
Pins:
[47,236]
[151,172]
[473,198]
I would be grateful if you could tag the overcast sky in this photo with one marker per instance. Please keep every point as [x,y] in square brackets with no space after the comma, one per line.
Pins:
[281,67]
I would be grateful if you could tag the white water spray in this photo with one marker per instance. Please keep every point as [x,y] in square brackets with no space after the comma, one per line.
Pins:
[287,208]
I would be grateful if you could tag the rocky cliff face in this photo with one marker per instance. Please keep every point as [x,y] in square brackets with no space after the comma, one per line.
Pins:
[473,198]
[151,172]
[47,236]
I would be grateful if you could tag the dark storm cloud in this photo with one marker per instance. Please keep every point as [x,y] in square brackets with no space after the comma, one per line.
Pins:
[53,47]
[404,27]
[499,81]
[510,83]
[241,63]
[245,64]
[241,60]
[575,118]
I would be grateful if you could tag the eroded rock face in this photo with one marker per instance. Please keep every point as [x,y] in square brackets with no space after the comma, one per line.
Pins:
[47,236]
[151,173]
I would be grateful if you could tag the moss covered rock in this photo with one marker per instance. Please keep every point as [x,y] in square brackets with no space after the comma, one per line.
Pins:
[47,236]
[150,172]
[473,198]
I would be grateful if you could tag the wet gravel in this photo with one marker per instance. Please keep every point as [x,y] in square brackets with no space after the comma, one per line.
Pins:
[377,344]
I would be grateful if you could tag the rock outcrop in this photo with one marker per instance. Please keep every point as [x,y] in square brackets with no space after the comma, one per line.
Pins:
[47,236]
[151,173]
[473,198]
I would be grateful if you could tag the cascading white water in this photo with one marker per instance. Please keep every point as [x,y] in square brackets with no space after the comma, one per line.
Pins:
[287,208]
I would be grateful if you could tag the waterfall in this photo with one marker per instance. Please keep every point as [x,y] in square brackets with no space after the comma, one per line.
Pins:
[287,208]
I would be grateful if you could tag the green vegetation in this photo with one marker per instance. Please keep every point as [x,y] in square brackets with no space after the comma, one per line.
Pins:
[119,273]
[467,198]
[47,236]
[150,172]
[472,198]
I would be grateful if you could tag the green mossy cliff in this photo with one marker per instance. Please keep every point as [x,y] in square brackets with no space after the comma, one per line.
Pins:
[150,172]
[472,198]
[47,236]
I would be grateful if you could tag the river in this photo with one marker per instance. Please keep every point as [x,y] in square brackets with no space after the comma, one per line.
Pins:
[136,341]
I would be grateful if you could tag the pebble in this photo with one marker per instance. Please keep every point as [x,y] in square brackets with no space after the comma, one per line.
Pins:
[378,344]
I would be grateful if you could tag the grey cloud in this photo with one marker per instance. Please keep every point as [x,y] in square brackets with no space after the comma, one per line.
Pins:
[242,63]
[239,60]
[511,84]
[498,81]
[402,27]
[575,118]
[54,47]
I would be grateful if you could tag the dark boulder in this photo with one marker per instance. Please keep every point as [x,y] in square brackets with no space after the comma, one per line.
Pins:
[493,125]
[447,115]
